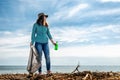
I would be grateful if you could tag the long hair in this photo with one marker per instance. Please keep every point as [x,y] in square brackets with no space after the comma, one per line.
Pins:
[40,21]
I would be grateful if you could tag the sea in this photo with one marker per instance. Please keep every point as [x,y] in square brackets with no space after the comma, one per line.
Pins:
[60,68]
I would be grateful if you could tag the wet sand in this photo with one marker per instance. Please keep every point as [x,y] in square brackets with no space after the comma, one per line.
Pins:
[85,75]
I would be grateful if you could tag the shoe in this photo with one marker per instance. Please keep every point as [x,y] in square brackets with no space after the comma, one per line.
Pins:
[40,73]
[30,75]
[49,72]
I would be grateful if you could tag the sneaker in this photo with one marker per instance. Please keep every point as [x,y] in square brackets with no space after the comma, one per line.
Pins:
[30,75]
[40,73]
[49,72]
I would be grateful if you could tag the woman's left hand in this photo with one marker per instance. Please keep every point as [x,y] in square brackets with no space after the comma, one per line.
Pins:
[53,42]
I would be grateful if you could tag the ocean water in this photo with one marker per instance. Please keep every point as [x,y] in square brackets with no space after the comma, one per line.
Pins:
[61,69]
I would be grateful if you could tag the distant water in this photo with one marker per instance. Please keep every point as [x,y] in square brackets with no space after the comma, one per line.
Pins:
[63,69]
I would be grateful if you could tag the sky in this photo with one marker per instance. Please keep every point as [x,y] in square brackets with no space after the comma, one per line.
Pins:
[87,31]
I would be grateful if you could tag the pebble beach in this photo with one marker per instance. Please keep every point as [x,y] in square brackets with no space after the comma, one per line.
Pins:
[85,75]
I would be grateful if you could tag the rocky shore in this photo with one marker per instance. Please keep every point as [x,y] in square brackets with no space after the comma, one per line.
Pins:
[85,75]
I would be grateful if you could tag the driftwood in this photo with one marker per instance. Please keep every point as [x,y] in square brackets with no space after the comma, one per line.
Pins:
[76,69]
[87,77]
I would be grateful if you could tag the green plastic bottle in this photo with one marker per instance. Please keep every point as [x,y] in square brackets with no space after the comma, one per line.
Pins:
[56,46]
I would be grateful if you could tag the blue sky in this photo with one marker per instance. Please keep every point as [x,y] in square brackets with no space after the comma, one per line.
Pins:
[84,29]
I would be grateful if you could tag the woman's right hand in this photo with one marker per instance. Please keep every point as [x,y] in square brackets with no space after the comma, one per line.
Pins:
[31,44]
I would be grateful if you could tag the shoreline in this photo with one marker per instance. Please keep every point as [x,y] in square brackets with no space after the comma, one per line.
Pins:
[84,75]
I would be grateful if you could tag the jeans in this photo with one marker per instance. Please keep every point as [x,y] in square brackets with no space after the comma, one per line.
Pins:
[45,48]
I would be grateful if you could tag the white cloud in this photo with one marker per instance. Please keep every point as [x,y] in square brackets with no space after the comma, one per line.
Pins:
[14,39]
[88,51]
[70,34]
[31,3]
[109,11]
[118,37]
[14,44]
[80,34]
[110,0]
[5,32]
[99,12]
[81,12]
[13,52]
[75,10]
[113,28]
[68,12]
[89,34]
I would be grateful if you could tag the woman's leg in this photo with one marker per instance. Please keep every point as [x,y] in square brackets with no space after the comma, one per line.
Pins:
[38,47]
[47,56]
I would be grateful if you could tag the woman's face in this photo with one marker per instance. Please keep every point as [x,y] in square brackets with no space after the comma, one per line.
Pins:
[45,18]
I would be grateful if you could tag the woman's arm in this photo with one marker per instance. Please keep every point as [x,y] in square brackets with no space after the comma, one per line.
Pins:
[52,42]
[33,35]
[50,37]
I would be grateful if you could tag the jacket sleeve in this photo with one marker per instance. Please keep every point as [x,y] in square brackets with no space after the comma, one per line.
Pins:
[49,34]
[33,34]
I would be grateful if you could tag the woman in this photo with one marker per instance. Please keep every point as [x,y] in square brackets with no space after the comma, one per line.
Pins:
[40,35]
